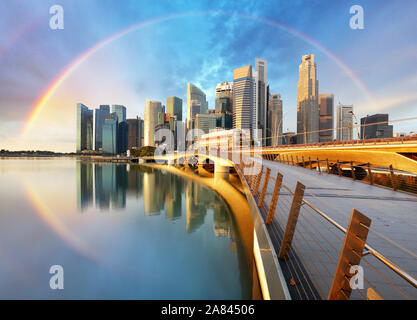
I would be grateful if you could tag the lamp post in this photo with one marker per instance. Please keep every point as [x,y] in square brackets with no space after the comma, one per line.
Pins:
[356,122]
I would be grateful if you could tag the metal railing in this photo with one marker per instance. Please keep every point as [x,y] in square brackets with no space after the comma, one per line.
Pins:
[316,242]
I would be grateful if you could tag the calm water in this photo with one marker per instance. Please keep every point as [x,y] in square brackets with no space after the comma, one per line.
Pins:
[119,232]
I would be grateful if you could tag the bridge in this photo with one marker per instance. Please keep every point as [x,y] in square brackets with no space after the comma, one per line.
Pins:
[318,212]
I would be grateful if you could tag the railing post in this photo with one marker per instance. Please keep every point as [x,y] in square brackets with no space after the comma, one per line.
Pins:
[292,160]
[264,187]
[288,161]
[370,174]
[292,221]
[353,171]
[318,164]
[311,165]
[258,181]
[327,163]
[303,162]
[394,185]
[251,173]
[255,176]
[350,255]
[339,169]
[274,199]
[296,159]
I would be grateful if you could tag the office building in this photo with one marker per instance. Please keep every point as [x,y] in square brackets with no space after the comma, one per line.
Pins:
[206,122]
[224,97]
[275,119]
[326,105]
[122,129]
[195,94]
[242,98]
[152,109]
[84,128]
[101,114]
[344,122]
[259,108]
[135,133]
[174,107]
[110,140]
[376,126]
[308,117]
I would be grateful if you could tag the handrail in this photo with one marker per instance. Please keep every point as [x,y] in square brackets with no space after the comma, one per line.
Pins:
[406,276]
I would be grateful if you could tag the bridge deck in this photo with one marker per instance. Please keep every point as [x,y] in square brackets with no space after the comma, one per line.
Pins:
[317,244]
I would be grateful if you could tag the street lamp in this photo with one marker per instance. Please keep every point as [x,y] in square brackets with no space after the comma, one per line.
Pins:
[356,122]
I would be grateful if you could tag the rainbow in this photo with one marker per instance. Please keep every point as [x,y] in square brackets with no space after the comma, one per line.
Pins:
[45,96]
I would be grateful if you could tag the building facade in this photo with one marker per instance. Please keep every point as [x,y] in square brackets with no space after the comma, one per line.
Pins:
[195,94]
[110,127]
[84,128]
[326,105]
[308,116]
[224,97]
[275,119]
[101,114]
[135,133]
[344,122]
[152,108]
[242,98]
[376,127]
[259,108]
[206,122]
[174,107]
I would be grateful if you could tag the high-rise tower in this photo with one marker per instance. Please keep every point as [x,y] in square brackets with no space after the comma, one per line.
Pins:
[308,116]
[101,114]
[242,97]
[152,109]
[259,108]
[194,93]
[84,128]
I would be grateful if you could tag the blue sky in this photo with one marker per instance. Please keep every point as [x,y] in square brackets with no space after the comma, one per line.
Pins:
[202,42]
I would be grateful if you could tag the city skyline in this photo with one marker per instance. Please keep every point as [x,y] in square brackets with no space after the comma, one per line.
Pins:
[342,64]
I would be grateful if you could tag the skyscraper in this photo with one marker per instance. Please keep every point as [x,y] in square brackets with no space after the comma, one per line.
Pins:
[308,117]
[206,122]
[275,118]
[135,134]
[242,97]
[194,93]
[152,108]
[174,107]
[344,122]
[110,133]
[122,127]
[101,114]
[326,103]
[224,97]
[120,111]
[84,128]
[376,126]
[259,107]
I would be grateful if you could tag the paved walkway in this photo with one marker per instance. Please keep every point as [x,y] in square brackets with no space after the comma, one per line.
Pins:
[317,244]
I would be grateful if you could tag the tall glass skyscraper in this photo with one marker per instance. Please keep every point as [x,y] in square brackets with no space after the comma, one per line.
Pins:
[259,108]
[101,114]
[242,98]
[224,97]
[110,134]
[275,118]
[308,116]
[135,127]
[84,128]
[122,129]
[152,109]
[326,103]
[174,107]
[194,93]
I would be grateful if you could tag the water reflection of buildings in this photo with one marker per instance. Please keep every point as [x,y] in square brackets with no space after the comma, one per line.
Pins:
[109,184]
